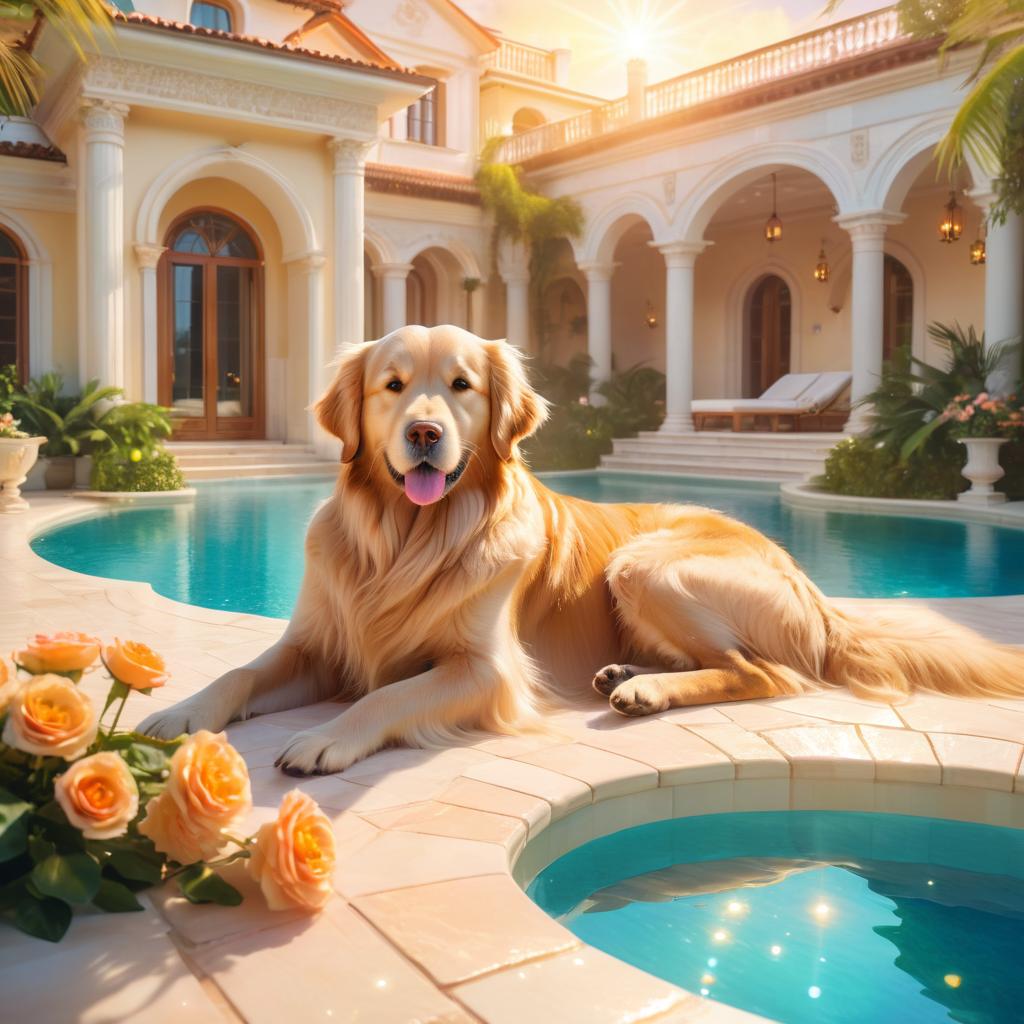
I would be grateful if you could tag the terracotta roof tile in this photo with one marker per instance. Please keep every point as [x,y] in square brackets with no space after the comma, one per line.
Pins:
[33,151]
[152,21]
[406,181]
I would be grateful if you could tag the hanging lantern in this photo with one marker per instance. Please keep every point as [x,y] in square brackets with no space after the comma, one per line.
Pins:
[650,317]
[822,270]
[952,225]
[773,226]
[978,253]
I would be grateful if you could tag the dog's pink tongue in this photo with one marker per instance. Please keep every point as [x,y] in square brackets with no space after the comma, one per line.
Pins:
[424,485]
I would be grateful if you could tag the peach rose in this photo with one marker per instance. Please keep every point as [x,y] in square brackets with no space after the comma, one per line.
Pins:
[293,859]
[134,664]
[9,685]
[99,795]
[61,652]
[50,716]
[207,792]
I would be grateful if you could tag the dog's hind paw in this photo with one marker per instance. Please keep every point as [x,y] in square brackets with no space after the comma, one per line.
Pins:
[610,676]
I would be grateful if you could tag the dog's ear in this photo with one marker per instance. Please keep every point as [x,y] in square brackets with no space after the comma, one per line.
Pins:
[516,409]
[340,410]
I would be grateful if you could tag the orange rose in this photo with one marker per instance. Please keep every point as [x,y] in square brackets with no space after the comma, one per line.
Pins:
[293,859]
[207,792]
[99,795]
[135,665]
[62,652]
[50,716]
[9,685]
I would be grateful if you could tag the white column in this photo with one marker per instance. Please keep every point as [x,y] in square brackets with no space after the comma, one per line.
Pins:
[517,308]
[103,348]
[1004,291]
[680,258]
[349,164]
[867,297]
[392,277]
[148,256]
[599,319]
[311,267]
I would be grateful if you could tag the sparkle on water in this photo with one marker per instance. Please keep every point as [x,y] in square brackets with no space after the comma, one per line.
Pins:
[847,918]
[240,547]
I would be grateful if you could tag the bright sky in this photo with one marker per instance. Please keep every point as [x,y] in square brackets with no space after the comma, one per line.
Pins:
[673,35]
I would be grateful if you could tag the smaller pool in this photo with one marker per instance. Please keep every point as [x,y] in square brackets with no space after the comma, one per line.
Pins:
[809,917]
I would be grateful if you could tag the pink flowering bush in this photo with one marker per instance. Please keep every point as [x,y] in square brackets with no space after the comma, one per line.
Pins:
[984,416]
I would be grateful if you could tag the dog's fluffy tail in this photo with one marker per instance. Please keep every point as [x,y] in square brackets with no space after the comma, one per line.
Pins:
[886,654]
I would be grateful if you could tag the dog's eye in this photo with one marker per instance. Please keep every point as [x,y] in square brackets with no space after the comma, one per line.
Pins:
[394,385]
[460,384]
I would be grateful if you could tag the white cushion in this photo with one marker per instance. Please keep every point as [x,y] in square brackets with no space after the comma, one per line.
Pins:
[790,385]
[828,387]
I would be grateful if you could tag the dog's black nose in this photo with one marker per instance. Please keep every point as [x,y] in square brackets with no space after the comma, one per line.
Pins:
[424,433]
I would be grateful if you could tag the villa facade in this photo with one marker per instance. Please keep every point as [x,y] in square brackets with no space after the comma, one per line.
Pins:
[226,192]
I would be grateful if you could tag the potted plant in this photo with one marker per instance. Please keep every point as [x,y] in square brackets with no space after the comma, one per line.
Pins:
[983,424]
[69,423]
[18,451]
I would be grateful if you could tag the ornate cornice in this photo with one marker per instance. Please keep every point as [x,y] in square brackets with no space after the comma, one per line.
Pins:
[117,78]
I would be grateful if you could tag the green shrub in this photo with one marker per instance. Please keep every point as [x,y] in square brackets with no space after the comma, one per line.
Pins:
[869,468]
[157,471]
[8,387]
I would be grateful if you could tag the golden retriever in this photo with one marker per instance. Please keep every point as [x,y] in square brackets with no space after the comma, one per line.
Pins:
[447,590]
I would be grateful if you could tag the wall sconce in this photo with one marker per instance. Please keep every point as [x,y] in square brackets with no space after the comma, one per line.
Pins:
[650,317]
[773,226]
[978,253]
[822,270]
[952,224]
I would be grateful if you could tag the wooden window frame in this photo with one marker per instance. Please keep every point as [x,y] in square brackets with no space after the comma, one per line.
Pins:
[21,345]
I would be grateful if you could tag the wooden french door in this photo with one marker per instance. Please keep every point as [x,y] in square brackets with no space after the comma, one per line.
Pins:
[211,314]
[898,309]
[768,335]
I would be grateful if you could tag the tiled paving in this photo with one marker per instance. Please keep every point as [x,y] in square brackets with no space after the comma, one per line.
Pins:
[430,922]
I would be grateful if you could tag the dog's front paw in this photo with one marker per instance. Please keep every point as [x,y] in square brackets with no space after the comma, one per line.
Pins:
[185,716]
[610,676]
[639,696]
[314,753]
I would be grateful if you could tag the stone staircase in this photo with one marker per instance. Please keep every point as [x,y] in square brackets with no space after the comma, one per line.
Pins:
[722,453]
[223,460]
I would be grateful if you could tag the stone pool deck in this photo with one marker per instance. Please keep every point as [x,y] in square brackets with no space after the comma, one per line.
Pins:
[430,922]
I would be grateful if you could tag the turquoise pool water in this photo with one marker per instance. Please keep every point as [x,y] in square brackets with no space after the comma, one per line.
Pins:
[240,546]
[810,917]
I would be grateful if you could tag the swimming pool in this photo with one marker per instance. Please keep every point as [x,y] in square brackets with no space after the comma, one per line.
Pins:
[809,917]
[240,546]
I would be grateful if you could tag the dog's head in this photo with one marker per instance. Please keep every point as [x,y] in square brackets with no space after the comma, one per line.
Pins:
[421,403]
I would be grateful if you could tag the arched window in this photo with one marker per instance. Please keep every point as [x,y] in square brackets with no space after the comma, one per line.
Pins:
[898,315]
[207,15]
[211,367]
[526,118]
[769,318]
[13,304]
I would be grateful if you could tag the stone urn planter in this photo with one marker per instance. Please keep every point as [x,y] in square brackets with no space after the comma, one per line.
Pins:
[982,469]
[17,456]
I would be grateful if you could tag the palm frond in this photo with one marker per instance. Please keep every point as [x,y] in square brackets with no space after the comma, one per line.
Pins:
[19,72]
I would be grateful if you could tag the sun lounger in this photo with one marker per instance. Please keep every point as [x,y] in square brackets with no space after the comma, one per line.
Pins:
[796,395]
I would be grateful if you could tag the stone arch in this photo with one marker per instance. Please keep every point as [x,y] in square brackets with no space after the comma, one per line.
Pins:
[467,260]
[527,118]
[898,167]
[379,247]
[298,233]
[732,174]
[606,229]
[40,291]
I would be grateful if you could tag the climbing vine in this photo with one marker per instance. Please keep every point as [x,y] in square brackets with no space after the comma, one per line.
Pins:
[522,214]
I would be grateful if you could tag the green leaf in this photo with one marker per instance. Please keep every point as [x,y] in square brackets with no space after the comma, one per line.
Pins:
[39,848]
[74,877]
[136,865]
[115,898]
[146,758]
[118,691]
[42,918]
[200,884]
[13,825]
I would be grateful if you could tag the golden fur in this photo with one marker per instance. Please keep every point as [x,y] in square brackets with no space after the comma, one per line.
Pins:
[480,610]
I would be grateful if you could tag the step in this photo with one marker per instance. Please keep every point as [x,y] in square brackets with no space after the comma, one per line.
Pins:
[244,458]
[721,448]
[683,468]
[235,447]
[768,458]
[230,471]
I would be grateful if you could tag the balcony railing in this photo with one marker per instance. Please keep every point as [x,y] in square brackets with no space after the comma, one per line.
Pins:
[520,59]
[820,49]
